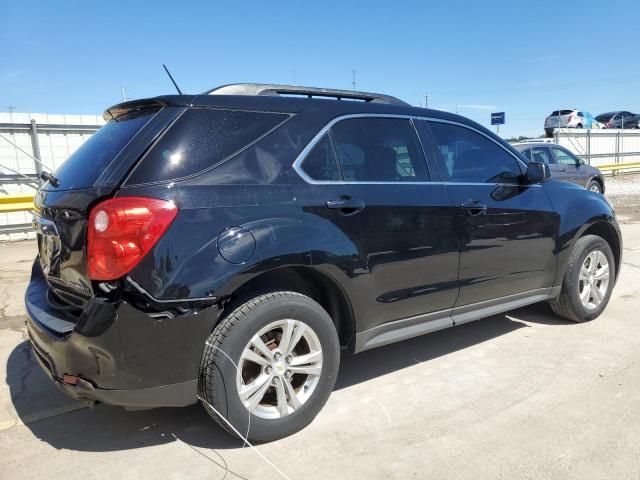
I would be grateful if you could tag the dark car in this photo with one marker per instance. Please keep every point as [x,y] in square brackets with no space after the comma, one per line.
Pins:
[619,119]
[564,165]
[225,246]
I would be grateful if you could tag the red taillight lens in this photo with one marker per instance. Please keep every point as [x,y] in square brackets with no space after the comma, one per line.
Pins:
[122,230]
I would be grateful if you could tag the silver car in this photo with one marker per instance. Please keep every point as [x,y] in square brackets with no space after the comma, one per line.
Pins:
[570,118]
[564,165]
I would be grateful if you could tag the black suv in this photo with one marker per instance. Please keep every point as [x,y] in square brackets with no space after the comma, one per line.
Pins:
[225,246]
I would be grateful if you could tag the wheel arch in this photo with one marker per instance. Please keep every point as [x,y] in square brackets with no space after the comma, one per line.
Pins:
[307,281]
[599,179]
[606,231]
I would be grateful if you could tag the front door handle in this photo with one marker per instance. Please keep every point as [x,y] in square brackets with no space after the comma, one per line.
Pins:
[346,205]
[474,208]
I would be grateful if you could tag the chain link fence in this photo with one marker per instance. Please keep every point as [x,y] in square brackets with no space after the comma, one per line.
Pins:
[30,142]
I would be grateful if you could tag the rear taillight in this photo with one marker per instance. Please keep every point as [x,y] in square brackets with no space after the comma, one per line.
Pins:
[609,125]
[122,230]
[569,119]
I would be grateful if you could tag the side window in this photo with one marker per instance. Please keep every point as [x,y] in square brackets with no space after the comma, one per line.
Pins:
[541,155]
[526,154]
[202,138]
[379,150]
[467,156]
[321,162]
[563,157]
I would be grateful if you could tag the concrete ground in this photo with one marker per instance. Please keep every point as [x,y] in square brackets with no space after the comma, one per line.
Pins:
[521,395]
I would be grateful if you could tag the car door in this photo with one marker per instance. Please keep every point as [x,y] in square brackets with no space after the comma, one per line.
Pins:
[507,228]
[567,166]
[402,252]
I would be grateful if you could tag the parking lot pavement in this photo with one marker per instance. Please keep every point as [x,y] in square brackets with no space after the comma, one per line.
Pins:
[521,395]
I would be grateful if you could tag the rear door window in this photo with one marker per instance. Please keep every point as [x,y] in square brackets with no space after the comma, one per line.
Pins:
[379,150]
[202,138]
[541,155]
[83,168]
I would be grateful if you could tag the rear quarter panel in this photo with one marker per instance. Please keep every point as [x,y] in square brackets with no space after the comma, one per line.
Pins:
[187,263]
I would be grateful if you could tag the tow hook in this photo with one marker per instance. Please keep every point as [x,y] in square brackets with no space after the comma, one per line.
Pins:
[78,382]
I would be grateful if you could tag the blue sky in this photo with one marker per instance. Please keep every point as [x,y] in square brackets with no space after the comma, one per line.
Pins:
[525,58]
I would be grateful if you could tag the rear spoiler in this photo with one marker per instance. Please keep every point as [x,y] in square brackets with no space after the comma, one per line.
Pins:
[125,108]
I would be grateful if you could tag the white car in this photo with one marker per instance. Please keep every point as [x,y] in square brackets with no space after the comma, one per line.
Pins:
[570,118]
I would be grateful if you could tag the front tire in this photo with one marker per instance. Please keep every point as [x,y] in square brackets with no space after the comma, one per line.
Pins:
[270,366]
[588,280]
[594,186]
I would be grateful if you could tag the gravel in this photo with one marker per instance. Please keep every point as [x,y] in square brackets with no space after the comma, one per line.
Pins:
[623,191]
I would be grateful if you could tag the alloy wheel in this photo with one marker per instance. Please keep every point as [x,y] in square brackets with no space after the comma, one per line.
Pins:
[594,279]
[279,369]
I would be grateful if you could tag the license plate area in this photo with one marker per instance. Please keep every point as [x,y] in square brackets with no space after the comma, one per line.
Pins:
[49,245]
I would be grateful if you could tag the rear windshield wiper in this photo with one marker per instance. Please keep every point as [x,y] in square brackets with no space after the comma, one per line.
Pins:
[49,177]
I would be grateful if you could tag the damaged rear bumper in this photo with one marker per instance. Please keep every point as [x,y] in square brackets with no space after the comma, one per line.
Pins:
[132,359]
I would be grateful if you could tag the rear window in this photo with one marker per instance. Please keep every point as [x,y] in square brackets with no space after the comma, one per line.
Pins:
[202,138]
[605,117]
[86,164]
[557,113]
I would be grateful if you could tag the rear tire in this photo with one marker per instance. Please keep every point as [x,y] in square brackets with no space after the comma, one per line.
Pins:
[253,375]
[588,280]
[579,125]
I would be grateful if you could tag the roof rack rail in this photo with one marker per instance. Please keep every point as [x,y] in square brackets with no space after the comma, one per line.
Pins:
[297,91]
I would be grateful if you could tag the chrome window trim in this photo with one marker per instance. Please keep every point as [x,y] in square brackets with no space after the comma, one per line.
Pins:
[297,164]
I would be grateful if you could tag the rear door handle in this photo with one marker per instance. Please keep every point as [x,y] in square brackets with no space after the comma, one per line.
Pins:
[474,208]
[346,205]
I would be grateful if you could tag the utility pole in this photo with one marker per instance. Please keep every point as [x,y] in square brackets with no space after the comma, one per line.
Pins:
[124,95]
[353,81]
[10,108]
[426,100]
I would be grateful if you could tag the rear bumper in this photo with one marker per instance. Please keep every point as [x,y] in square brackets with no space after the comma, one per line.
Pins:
[126,358]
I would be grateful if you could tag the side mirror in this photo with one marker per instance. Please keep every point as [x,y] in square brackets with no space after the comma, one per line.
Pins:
[581,161]
[538,172]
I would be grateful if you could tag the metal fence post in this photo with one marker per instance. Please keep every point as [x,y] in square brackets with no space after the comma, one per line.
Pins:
[622,141]
[589,147]
[35,145]
[617,151]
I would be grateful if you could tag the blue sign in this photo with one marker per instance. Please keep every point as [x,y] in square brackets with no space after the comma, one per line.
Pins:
[497,118]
